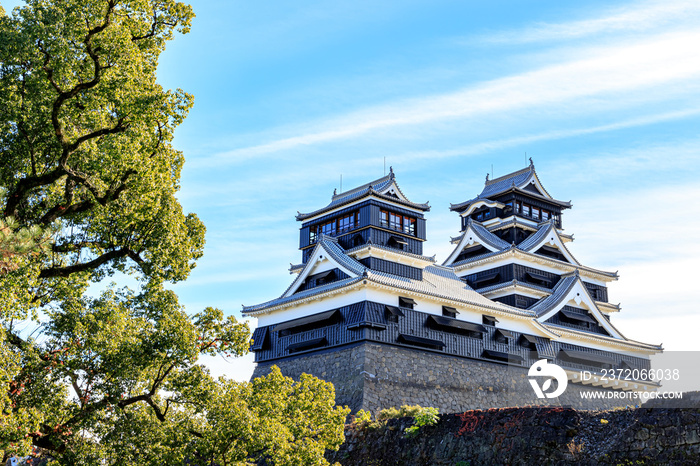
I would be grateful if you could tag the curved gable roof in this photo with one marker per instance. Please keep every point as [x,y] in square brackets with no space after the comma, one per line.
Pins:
[516,180]
[547,233]
[335,253]
[547,307]
[475,232]
[384,188]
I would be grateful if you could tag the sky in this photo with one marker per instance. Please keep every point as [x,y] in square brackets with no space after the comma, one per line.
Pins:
[292,97]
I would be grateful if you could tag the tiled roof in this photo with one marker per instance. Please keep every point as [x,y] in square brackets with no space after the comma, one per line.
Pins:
[393,250]
[488,237]
[336,252]
[504,183]
[438,281]
[374,187]
[518,180]
[498,286]
[513,248]
[302,294]
[442,282]
[529,243]
[514,222]
[484,236]
[560,290]
[464,205]
[532,240]
[475,258]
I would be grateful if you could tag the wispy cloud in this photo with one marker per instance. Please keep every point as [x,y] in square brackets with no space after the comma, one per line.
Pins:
[630,18]
[631,71]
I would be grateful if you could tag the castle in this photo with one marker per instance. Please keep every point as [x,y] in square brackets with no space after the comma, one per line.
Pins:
[390,326]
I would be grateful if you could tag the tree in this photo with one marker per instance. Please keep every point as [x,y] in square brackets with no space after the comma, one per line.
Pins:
[88,178]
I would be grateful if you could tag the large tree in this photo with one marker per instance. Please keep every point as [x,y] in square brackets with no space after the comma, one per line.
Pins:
[88,178]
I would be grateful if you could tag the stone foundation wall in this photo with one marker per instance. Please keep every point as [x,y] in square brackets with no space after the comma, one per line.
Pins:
[373,376]
[542,436]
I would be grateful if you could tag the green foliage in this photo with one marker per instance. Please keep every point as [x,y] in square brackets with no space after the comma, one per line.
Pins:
[88,185]
[363,417]
[428,415]
[421,416]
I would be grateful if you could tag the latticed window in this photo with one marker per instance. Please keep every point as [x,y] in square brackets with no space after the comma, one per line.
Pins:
[409,225]
[348,222]
[329,228]
[398,222]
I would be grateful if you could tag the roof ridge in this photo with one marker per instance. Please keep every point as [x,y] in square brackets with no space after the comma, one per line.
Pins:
[371,184]
[529,168]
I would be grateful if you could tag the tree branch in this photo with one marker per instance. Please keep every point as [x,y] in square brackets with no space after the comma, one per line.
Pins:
[93,264]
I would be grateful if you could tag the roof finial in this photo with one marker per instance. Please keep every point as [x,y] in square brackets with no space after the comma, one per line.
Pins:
[391,169]
[532,164]
[335,191]
[487,177]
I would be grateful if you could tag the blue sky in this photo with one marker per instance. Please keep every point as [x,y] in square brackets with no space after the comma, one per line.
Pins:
[289,96]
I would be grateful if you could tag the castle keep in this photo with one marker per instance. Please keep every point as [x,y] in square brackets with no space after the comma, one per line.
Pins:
[390,326]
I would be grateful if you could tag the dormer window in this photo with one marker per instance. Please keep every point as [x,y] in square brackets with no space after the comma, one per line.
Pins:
[397,242]
[448,311]
[503,336]
[489,320]
[392,314]
[406,302]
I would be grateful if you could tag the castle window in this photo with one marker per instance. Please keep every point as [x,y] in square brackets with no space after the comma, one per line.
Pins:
[579,319]
[358,240]
[537,279]
[308,323]
[394,221]
[545,215]
[398,222]
[518,207]
[397,242]
[448,311]
[392,314]
[455,326]
[502,336]
[409,225]
[325,277]
[528,341]
[348,222]
[406,302]
[420,341]
[312,234]
[259,340]
[535,213]
[329,228]
[526,210]
[305,345]
[487,279]
[587,358]
[489,320]
[501,356]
